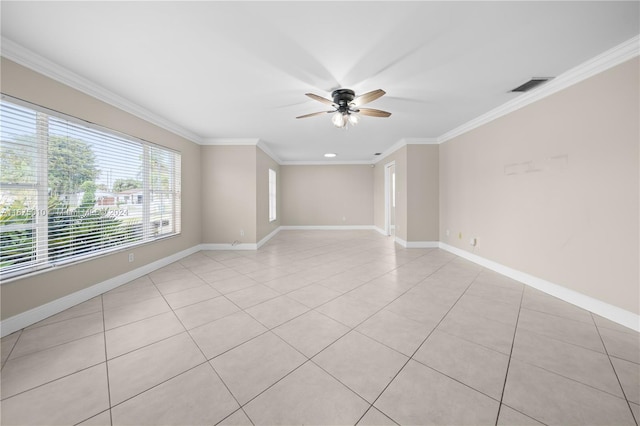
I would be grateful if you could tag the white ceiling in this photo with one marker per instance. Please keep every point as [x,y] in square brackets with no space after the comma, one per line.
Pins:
[240,69]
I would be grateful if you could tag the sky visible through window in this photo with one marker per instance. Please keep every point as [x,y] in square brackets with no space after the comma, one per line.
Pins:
[70,189]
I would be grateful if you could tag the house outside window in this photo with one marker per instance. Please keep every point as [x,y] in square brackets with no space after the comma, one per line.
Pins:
[71,190]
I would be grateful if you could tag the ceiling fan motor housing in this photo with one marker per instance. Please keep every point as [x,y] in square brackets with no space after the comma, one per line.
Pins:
[342,98]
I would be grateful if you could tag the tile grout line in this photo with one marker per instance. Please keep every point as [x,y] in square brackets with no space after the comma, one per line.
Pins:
[513,340]
[566,342]
[52,347]
[104,336]
[83,369]
[424,340]
[176,375]
[383,306]
[206,360]
[36,326]
[106,359]
[52,381]
[23,330]
[308,358]
[12,348]
[358,261]
[614,371]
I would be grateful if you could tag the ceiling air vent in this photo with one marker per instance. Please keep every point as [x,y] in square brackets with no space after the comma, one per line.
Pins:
[531,84]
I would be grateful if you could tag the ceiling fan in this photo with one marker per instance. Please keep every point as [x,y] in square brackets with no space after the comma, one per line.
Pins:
[347,106]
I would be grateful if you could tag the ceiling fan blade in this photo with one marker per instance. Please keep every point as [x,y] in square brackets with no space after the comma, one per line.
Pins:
[320,99]
[313,114]
[373,112]
[368,97]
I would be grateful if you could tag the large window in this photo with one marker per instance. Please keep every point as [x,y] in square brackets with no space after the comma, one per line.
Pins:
[272,195]
[70,190]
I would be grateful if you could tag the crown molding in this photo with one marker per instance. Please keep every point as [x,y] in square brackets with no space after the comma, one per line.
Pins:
[265,148]
[612,57]
[242,142]
[327,163]
[420,141]
[404,142]
[608,59]
[230,141]
[393,148]
[23,56]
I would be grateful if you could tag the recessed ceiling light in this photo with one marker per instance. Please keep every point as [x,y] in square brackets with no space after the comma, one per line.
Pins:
[330,154]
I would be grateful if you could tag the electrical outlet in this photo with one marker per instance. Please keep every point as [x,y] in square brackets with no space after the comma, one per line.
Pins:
[447,232]
[131,257]
[242,232]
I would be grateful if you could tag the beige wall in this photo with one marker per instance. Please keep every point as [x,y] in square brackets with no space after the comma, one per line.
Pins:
[228,194]
[575,221]
[324,195]
[422,193]
[263,164]
[29,292]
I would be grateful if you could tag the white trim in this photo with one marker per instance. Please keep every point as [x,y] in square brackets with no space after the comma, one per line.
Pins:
[612,57]
[229,246]
[404,142]
[263,146]
[380,230]
[20,55]
[421,141]
[230,141]
[393,148]
[268,237]
[327,227]
[613,313]
[242,142]
[326,163]
[402,242]
[422,244]
[417,244]
[32,316]
[241,246]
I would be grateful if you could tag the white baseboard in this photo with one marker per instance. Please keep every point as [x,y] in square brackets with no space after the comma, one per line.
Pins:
[241,246]
[381,231]
[268,237]
[328,227]
[613,313]
[417,244]
[32,316]
[229,246]
[423,244]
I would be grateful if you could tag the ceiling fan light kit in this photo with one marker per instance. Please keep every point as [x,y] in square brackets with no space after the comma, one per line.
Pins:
[347,106]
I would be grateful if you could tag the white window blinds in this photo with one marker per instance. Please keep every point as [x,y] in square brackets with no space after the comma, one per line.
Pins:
[71,190]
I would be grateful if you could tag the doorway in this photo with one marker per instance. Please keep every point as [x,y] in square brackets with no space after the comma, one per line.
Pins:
[390,198]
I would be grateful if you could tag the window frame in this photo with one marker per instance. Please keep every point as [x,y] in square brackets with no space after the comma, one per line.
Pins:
[42,261]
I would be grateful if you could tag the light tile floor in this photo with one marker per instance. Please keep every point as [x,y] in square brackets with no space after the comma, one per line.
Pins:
[330,328]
